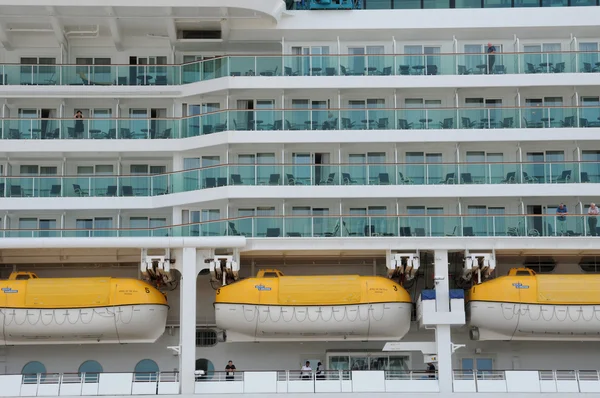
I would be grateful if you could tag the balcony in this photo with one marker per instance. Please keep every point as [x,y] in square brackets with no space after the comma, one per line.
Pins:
[300,175]
[380,226]
[301,65]
[284,382]
[303,119]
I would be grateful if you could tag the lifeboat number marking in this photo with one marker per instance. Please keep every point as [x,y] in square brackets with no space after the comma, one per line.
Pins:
[262,288]
[8,290]
[519,285]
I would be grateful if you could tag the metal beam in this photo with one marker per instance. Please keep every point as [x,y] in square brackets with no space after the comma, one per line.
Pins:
[171,28]
[225,25]
[115,29]
[56,26]
[5,38]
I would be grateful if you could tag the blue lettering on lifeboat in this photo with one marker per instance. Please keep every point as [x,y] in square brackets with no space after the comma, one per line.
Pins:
[519,285]
[8,290]
[262,288]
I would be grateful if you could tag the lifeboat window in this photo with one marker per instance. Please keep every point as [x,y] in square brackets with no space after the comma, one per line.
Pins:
[523,273]
[270,275]
[206,338]
[146,370]
[208,368]
[31,371]
[90,371]
[23,277]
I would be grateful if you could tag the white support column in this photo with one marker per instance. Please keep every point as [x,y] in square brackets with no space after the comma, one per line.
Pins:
[442,332]
[187,321]
[176,217]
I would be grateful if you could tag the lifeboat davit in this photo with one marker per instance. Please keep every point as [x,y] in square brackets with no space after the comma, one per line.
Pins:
[79,310]
[527,306]
[274,307]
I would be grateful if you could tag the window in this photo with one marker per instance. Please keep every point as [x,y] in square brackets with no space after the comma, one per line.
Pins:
[541,265]
[590,265]
[90,370]
[31,370]
[146,370]
[86,227]
[206,338]
[144,226]
[207,366]
[477,364]
[315,63]
[422,60]
[31,73]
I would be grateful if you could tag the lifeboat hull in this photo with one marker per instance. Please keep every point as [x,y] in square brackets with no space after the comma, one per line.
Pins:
[118,324]
[517,321]
[362,322]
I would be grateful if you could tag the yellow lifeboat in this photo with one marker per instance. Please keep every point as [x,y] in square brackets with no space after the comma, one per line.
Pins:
[79,310]
[527,306]
[274,307]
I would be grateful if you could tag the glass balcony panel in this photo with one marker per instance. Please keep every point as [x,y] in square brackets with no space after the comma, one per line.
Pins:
[211,228]
[269,66]
[159,184]
[299,174]
[355,119]
[265,119]
[588,116]
[533,173]
[354,226]
[353,65]
[326,226]
[414,226]
[298,227]
[380,65]
[381,174]
[241,174]
[488,118]
[588,61]
[327,174]
[590,172]
[354,174]
[296,65]
[215,122]
[379,119]
[191,126]
[215,68]
[381,226]
[268,227]
[243,66]
[190,72]
[135,185]
[241,227]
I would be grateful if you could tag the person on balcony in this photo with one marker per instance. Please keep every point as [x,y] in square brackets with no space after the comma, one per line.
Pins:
[306,371]
[592,219]
[561,212]
[491,51]
[230,369]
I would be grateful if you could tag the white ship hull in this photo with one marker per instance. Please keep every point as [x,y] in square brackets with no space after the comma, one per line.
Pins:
[120,324]
[380,321]
[514,321]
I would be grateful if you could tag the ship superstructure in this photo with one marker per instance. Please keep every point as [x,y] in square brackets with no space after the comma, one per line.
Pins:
[400,191]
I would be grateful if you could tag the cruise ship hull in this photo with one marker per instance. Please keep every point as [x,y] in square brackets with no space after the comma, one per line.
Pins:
[520,321]
[377,321]
[116,324]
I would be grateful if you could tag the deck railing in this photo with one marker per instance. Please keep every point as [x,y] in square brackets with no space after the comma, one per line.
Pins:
[348,226]
[295,381]
[289,174]
[302,65]
[281,120]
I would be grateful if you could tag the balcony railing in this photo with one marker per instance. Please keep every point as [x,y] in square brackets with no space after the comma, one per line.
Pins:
[300,175]
[283,382]
[303,119]
[302,65]
[351,226]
